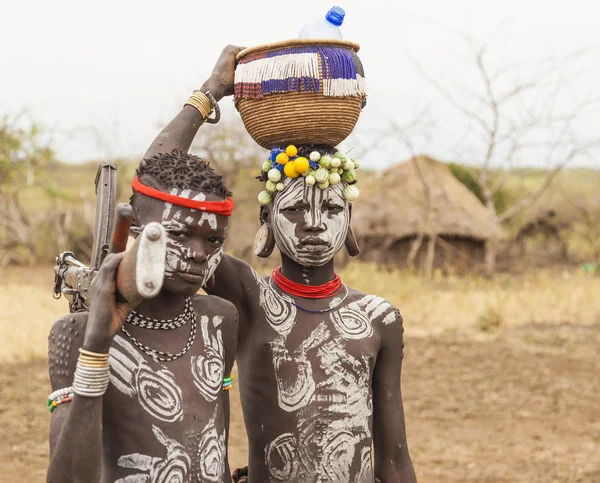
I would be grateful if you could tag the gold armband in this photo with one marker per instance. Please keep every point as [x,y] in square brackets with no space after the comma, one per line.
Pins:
[205,104]
[201,102]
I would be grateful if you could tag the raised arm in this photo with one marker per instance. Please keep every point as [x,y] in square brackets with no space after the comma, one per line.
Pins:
[180,132]
[76,427]
[392,460]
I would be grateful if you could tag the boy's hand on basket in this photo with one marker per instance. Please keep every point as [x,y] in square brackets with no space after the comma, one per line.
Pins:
[220,82]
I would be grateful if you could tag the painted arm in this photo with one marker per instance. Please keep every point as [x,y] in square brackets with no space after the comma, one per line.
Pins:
[180,132]
[76,427]
[392,460]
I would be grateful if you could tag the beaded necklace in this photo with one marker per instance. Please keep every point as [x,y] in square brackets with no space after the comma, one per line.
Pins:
[145,322]
[321,311]
[160,355]
[326,290]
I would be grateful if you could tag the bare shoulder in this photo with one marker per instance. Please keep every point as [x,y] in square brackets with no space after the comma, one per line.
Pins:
[213,305]
[379,311]
[65,339]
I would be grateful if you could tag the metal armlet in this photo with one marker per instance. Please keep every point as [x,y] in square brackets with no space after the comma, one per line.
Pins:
[216,108]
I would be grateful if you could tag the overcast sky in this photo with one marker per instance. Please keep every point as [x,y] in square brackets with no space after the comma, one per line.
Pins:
[103,77]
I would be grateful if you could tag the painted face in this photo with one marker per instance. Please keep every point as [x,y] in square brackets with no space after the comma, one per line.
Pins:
[310,224]
[194,244]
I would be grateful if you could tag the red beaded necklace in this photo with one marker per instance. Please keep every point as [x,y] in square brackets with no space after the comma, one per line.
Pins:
[326,290]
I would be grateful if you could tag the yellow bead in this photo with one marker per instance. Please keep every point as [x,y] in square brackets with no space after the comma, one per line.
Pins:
[282,158]
[290,170]
[291,150]
[301,165]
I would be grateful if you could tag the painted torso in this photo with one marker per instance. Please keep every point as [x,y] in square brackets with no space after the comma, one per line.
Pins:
[305,380]
[164,421]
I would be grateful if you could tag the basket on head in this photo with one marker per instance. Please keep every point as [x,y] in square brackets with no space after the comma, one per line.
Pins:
[303,91]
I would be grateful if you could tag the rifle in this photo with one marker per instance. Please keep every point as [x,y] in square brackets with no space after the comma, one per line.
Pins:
[140,274]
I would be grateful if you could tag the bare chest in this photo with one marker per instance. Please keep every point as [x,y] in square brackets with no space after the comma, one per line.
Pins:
[166,417]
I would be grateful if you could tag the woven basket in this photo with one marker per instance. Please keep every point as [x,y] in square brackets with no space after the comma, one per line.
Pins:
[299,117]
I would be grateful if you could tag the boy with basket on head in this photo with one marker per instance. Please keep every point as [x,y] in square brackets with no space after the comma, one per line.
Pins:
[319,362]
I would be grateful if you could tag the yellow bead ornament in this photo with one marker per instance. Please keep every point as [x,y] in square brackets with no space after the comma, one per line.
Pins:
[291,150]
[282,158]
[290,170]
[301,165]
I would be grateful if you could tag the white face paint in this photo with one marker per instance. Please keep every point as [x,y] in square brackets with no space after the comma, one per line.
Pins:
[156,391]
[310,224]
[186,229]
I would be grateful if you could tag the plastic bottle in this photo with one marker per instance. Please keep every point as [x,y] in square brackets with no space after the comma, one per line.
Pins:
[327,27]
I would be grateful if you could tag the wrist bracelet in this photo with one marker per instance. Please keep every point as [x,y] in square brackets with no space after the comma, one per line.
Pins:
[205,104]
[91,376]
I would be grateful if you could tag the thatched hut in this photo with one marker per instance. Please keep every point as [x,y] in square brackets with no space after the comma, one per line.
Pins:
[417,213]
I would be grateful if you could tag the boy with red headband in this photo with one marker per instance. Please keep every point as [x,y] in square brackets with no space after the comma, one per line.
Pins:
[140,396]
[319,362]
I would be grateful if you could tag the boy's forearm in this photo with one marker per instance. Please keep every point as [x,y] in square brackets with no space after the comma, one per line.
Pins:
[180,132]
[77,452]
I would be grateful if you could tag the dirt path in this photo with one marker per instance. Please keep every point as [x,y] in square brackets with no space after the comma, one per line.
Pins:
[523,407]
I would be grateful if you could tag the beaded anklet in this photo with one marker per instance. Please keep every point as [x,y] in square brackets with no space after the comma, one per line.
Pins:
[60,396]
[227,382]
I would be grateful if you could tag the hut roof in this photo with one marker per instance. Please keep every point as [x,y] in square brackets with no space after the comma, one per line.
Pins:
[394,203]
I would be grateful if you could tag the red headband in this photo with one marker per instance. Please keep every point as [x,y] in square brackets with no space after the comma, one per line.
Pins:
[217,207]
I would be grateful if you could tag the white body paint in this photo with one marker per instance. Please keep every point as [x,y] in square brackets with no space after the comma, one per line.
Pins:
[328,227]
[211,452]
[160,396]
[279,311]
[175,467]
[156,391]
[339,384]
[208,369]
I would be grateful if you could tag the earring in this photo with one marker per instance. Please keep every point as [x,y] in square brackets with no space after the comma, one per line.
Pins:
[264,241]
[351,243]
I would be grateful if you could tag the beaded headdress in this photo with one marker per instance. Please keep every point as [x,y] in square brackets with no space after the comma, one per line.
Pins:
[324,170]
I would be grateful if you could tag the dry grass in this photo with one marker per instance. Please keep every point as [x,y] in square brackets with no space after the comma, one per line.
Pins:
[28,311]
[518,407]
[451,303]
[429,306]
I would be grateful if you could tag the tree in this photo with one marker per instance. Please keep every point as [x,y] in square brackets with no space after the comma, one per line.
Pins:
[516,114]
[22,152]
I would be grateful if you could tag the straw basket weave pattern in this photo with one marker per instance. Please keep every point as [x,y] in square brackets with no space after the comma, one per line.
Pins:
[300,92]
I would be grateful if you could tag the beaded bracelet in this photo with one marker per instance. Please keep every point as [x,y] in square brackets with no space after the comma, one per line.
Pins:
[60,396]
[227,382]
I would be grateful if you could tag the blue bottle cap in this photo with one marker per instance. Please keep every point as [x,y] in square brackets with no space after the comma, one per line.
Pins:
[336,16]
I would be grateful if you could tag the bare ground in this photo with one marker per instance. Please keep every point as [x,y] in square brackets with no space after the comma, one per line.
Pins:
[519,406]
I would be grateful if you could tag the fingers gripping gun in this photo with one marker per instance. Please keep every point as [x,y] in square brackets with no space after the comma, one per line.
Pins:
[140,274]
